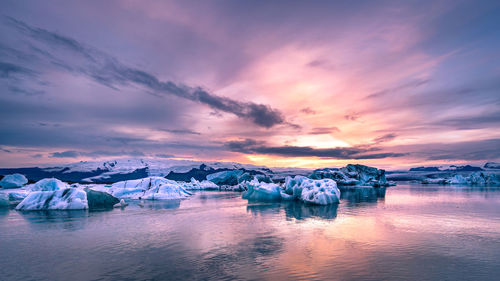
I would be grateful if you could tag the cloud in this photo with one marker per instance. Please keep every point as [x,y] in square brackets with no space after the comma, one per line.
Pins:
[308,110]
[65,154]
[250,146]
[108,71]
[7,69]
[5,150]
[324,130]
[354,116]
[165,156]
[95,154]
[384,138]
[181,131]
[407,86]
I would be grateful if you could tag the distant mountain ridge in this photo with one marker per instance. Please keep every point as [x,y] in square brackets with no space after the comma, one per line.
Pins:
[129,169]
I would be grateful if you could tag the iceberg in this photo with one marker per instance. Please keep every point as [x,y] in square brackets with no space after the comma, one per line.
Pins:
[353,175]
[476,178]
[261,191]
[203,185]
[166,191]
[435,181]
[49,184]
[13,181]
[98,199]
[319,192]
[65,199]
[492,166]
[225,177]
[151,188]
[4,200]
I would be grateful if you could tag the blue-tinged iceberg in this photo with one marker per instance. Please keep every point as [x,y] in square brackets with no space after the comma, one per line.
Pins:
[226,177]
[13,181]
[318,192]
[65,199]
[49,184]
[261,191]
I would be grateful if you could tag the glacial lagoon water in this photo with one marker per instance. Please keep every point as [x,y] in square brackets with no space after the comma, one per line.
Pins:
[412,232]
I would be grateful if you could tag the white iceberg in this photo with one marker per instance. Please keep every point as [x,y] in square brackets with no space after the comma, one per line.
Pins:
[48,184]
[13,181]
[65,199]
[151,188]
[203,185]
[320,192]
[261,191]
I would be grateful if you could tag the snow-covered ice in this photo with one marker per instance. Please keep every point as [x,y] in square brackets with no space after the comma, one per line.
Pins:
[13,181]
[320,192]
[203,185]
[151,188]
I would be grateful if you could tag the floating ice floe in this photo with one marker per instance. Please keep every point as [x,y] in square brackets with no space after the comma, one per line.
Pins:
[225,177]
[353,175]
[49,184]
[151,188]
[320,192]
[476,178]
[13,181]
[203,185]
[65,199]
[261,191]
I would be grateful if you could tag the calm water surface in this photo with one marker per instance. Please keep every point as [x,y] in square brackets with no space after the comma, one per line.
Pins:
[411,232]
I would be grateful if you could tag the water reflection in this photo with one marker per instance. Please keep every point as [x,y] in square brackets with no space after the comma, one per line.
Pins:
[416,234]
[295,209]
[363,194]
[156,204]
[64,220]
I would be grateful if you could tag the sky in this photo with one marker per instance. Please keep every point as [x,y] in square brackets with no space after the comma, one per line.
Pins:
[306,84]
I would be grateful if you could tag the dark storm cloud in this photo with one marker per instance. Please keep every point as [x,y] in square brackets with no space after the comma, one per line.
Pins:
[108,71]
[250,146]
